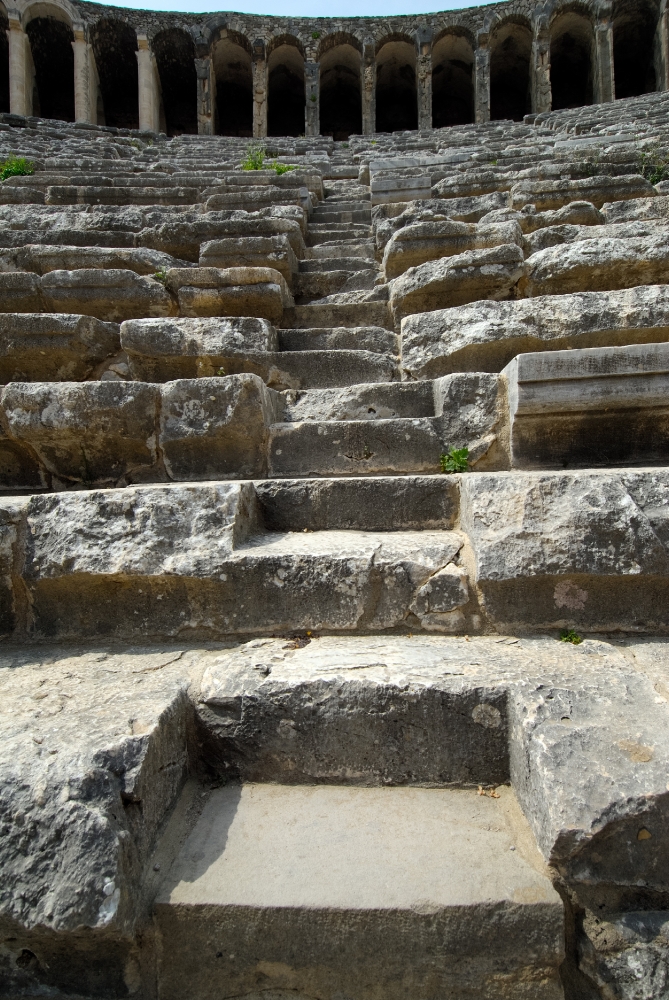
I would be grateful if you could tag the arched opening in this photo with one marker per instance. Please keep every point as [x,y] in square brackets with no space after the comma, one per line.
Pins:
[510,51]
[114,46]
[396,98]
[571,61]
[285,94]
[633,37]
[53,57]
[452,81]
[341,102]
[175,57]
[4,60]
[234,86]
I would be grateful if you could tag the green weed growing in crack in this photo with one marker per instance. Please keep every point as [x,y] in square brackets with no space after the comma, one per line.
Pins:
[255,157]
[654,164]
[161,275]
[456,460]
[569,635]
[16,166]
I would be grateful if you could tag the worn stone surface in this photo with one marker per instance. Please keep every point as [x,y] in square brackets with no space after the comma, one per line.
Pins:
[415,244]
[485,336]
[88,432]
[454,281]
[565,407]
[217,428]
[597,265]
[236,291]
[54,346]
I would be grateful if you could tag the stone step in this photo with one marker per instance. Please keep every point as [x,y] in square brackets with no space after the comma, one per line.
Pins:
[330,232]
[533,552]
[372,338]
[336,263]
[342,248]
[313,872]
[329,314]
[322,216]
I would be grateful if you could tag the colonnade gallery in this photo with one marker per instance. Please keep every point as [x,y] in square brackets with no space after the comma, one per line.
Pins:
[241,75]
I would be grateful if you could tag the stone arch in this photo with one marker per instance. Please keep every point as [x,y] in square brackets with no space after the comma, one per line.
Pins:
[174,50]
[396,94]
[285,87]
[572,58]
[231,57]
[4,59]
[452,79]
[49,30]
[634,26]
[114,46]
[510,57]
[341,97]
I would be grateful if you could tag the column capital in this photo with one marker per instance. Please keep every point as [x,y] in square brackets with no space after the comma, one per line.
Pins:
[14,18]
[143,42]
[482,38]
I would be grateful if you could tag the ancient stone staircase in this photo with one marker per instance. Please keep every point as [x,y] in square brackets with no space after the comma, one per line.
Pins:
[285,709]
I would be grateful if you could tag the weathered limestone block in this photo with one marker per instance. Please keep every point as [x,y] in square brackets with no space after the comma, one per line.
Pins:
[235,291]
[542,239]
[20,292]
[414,245]
[473,411]
[87,432]
[547,194]
[470,183]
[93,764]
[160,350]
[626,955]
[217,428]
[387,219]
[391,190]
[599,406]
[485,336]
[107,294]
[251,251]
[576,213]
[477,274]
[637,209]
[184,238]
[68,194]
[12,516]
[603,827]
[564,550]
[42,259]
[54,347]
[598,265]
[251,199]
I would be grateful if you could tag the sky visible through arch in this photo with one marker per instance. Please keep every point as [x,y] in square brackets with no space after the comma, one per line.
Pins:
[306,8]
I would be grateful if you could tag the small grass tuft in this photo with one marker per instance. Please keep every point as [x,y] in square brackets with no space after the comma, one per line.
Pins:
[283,168]
[456,460]
[161,275]
[255,158]
[654,165]
[315,35]
[16,166]
[220,371]
[569,635]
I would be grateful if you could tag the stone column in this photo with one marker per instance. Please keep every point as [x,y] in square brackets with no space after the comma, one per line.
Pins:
[424,77]
[82,76]
[368,86]
[148,87]
[259,69]
[605,87]
[662,49]
[312,86]
[540,67]
[20,77]
[206,96]
[482,78]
